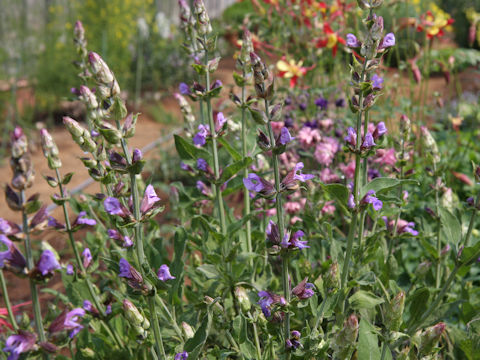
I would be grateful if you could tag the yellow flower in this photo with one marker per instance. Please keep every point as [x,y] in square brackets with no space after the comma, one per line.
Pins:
[291,69]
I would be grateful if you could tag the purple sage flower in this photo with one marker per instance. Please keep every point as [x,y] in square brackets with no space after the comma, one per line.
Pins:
[255,183]
[351,137]
[150,200]
[322,103]
[340,103]
[273,233]
[137,155]
[108,310]
[368,141]
[388,41]
[70,269]
[87,305]
[83,220]
[20,343]
[370,198]
[216,84]
[203,188]
[285,136]
[164,273]
[52,222]
[202,165]
[47,263]
[303,290]
[220,121]
[184,89]
[377,82]
[267,300]
[113,234]
[87,258]
[124,269]
[294,241]
[289,182]
[351,201]
[12,257]
[380,130]
[200,137]
[127,242]
[352,41]
[68,321]
[181,356]
[113,207]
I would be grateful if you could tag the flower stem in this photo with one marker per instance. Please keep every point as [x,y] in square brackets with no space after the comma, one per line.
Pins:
[439,244]
[216,166]
[255,336]
[11,316]
[246,195]
[79,261]
[140,252]
[33,287]
[281,225]
[472,222]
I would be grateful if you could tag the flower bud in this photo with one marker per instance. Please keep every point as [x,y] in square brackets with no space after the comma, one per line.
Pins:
[88,97]
[422,269]
[242,298]
[110,133]
[263,141]
[19,142]
[102,72]
[88,353]
[430,337]
[73,127]
[393,317]
[79,31]
[430,145]
[187,330]
[137,320]
[203,21]
[128,129]
[331,280]
[345,339]
[247,48]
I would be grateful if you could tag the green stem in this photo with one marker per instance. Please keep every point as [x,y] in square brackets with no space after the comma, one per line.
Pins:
[472,222]
[255,337]
[246,197]
[348,253]
[171,317]
[216,166]
[140,252]
[79,262]
[384,350]
[11,316]
[320,315]
[33,287]
[439,244]
[281,225]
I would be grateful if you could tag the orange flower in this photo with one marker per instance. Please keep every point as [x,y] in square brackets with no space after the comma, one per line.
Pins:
[434,25]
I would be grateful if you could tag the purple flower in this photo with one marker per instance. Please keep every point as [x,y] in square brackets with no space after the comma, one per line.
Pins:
[52,222]
[108,310]
[150,200]
[113,207]
[203,188]
[164,273]
[273,234]
[298,173]
[12,257]
[8,227]
[368,141]
[184,89]
[294,241]
[285,136]
[340,103]
[289,182]
[351,201]
[127,242]
[87,305]
[220,121]
[48,263]
[113,234]
[200,137]
[377,81]
[302,106]
[181,356]
[68,321]
[380,130]
[124,269]
[293,342]
[369,198]
[216,84]
[303,290]
[185,167]
[202,165]
[83,220]
[69,269]
[352,41]
[17,344]
[288,122]
[388,41]
[255,183]
[87,257]
[351,137]
[322,103]
[267,300]
[137,155]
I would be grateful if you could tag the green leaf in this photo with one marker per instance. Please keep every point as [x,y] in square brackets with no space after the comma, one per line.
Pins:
[384,184]
[66,179]
[418,303]
[364,300]
[233,153]
[258,116]
[177,266]
[451,225]
[338,191]
[368,342]
[240,329]
[195,345]
[234,168]
[469,254]
[239,80]
[210,271]
[200,69]
[188,151]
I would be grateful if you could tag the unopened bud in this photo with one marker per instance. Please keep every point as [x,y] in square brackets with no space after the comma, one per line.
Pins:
[331,281]
[247,48]
[345,339]
[19,142]
[243,299]
[187,330]
[203,21]
[88,353]
[263,141]
[129,125]
[110,133]
[73,127]
[422,269]
[88,97]
[430,145]
[79,31]
[393,317]
[102,72]
[430,337]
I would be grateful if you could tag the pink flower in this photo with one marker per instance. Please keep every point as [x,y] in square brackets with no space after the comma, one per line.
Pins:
[325,151]
[293,207]
[295,219]
[277,126]
[327,176]
[348,170]
[326,124]
[308,136]
[385,157]
[328,208]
